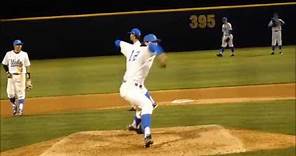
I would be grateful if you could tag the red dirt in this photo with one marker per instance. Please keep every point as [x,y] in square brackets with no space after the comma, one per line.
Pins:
[45,105]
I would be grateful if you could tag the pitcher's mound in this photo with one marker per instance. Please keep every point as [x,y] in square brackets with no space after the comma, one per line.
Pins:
[198,140]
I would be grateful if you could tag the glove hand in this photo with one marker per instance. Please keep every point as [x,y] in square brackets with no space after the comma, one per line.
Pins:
[29,85]
[274,22]
[117,43]
[9,75]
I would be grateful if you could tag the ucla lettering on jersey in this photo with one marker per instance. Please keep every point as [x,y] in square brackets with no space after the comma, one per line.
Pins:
[16,63]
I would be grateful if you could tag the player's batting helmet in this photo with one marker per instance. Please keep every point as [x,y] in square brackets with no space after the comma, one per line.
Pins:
[151,38]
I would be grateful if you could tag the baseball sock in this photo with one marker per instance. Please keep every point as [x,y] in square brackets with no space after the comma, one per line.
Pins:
[21,105]
[280,48]
[232,49]
[12,101]
[146,123]
[273,48]
[222,50]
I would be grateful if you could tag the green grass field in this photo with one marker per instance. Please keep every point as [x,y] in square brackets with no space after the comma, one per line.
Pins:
[202,69]
[275,116]
[185,70]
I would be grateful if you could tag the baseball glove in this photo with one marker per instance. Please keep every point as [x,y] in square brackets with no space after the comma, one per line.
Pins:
[9,75]
[29,85]
[274,22]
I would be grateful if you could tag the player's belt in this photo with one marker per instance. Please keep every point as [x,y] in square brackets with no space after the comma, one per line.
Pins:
[136,84]
[276,30]
[16,73]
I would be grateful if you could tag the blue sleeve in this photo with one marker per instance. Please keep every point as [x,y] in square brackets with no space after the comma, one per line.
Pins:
[155,48]
[117,43]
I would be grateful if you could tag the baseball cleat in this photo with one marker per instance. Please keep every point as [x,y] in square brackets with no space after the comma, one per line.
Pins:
[132,109]
[19,113]
[272,53]
[219,55]
[148,141]
[232,55]
[133,128]
[281,53]
[140,130]
[14,111]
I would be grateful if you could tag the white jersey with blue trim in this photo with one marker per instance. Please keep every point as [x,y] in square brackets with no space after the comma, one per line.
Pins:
[16,62]
[139,60]
[137,43]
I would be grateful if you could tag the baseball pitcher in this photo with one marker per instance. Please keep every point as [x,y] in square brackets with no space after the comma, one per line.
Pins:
[16,64]
[276,29]
[139,60]
[227,38]
[135,35]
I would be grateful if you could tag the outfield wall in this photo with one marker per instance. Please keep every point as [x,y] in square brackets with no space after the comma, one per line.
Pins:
[179,29]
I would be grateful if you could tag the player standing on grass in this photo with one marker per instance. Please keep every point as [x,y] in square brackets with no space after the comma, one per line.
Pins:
[16,64]
[276,29]
[227,38]
[139,60]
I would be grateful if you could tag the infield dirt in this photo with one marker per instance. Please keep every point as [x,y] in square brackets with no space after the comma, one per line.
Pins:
[45,105]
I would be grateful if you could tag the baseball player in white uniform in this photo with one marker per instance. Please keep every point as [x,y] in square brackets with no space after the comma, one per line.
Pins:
[139,60]
[227,38]
[135,35]
[276,29]
[16,64]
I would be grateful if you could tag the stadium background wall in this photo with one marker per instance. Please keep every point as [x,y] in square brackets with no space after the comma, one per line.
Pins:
[179,31]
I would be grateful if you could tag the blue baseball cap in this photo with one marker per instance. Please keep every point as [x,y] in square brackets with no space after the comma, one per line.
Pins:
[151,38]
[224,18]
[17,42]
[135,31]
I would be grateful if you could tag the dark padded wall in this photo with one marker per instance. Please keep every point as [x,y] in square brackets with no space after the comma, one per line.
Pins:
[94,36]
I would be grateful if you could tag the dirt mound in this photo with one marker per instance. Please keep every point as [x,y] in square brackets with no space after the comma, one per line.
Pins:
[254,140]
[197,140]
[194,140]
